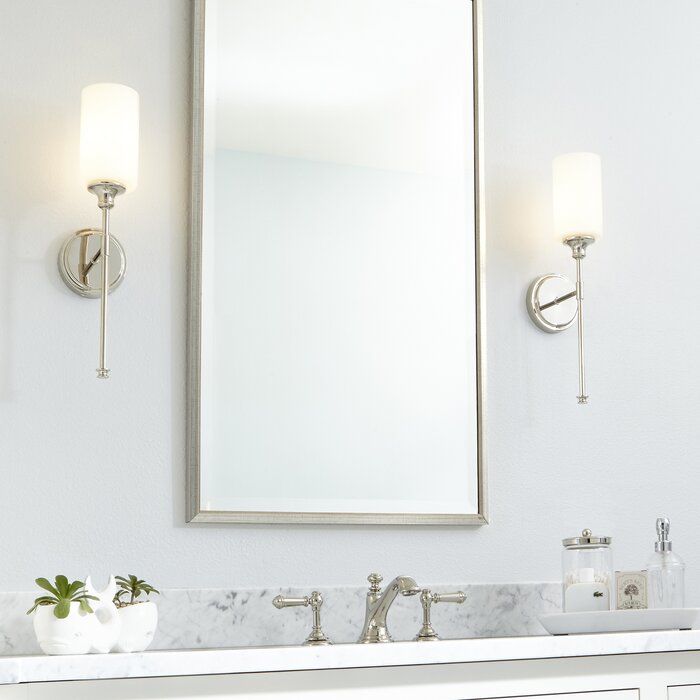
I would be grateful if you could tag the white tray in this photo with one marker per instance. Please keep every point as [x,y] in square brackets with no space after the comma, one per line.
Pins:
[621,621]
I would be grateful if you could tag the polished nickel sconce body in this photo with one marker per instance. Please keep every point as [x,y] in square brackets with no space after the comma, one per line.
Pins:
[536,307]
[75,271]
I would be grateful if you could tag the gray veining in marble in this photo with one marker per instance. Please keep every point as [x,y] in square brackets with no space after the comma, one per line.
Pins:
[216,618]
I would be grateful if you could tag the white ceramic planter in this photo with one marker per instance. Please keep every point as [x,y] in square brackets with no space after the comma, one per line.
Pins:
[71,635]
[139,624]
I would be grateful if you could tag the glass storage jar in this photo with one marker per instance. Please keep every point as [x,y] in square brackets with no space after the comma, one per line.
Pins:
[587,573]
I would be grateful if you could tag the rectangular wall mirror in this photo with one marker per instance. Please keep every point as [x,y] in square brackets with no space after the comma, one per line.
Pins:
[336,341]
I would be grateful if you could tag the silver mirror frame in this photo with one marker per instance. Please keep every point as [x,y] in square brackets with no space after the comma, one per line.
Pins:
[195,514]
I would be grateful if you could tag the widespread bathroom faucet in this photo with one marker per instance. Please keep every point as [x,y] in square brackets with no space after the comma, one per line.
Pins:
[378,605]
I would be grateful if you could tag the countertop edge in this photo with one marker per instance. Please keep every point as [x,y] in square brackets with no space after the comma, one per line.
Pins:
[195,662]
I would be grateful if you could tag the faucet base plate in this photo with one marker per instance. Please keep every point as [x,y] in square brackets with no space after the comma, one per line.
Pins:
[375,635]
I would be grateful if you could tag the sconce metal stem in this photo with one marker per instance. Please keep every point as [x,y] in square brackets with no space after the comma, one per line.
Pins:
[105,193]
[582,396]
[102,371]
[578,245]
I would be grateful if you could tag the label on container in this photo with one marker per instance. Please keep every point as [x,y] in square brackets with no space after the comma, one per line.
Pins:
[631,588]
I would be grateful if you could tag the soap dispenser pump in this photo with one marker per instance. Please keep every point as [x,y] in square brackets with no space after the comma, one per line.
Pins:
[665,571]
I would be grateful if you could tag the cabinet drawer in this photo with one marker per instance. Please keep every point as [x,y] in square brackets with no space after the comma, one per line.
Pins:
[283,686]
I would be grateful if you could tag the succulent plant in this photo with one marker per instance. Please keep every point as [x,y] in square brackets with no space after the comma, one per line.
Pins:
[133,587]
[62,594]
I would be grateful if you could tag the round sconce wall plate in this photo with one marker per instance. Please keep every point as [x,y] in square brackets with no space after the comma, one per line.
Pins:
[545,290]
[80,264]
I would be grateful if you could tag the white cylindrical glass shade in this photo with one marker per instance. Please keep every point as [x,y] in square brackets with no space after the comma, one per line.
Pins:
[109,134]
[577,195]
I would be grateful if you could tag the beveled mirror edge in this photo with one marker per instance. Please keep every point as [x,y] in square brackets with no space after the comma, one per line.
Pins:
[194,513]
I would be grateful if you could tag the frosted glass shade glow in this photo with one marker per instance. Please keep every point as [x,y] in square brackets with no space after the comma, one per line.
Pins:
[109,134]
[577,194]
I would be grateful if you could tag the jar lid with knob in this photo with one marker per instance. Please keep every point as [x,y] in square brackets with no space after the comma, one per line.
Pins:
[587,539]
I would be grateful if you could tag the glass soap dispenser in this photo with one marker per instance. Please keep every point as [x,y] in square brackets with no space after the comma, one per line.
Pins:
[665,571]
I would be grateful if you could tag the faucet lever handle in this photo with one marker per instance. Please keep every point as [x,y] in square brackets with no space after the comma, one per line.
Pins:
[456,597]
[427,633]
[315,601]
[281,601]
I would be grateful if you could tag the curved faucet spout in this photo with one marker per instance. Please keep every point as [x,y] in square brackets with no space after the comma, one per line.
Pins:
[378,605]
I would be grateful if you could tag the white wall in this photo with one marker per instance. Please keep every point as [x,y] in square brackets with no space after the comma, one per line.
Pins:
[93,473]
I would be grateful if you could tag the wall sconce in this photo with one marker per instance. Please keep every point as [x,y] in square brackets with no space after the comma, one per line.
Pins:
[109,150]
[578,222]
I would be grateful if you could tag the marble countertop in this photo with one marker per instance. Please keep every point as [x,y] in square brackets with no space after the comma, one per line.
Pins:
[32,669]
